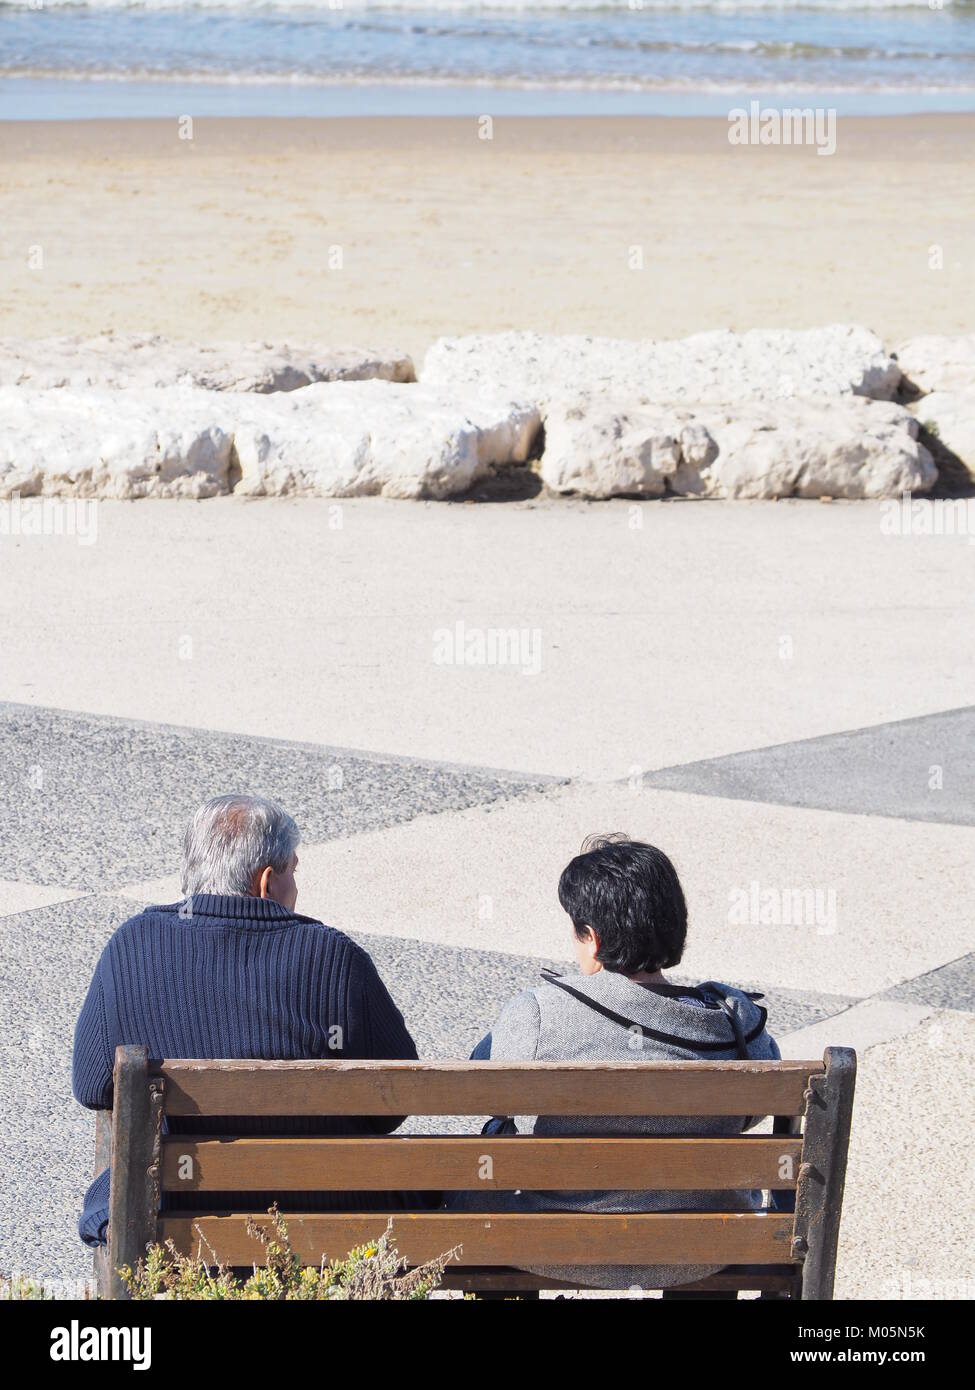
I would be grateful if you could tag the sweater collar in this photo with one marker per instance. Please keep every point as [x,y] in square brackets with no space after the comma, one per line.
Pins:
[227,905]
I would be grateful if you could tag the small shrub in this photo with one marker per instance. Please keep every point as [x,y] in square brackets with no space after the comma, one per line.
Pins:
[373,1271]
[15,1287]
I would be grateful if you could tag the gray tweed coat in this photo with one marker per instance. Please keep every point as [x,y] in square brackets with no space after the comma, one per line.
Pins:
[547,1024]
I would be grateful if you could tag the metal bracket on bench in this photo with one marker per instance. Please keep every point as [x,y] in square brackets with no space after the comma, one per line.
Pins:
[814,1098]
[804,1200]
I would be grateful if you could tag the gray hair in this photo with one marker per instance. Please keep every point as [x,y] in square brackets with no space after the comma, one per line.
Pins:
[231,837]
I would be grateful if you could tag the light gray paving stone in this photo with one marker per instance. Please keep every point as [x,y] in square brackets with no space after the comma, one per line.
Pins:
[867,1024]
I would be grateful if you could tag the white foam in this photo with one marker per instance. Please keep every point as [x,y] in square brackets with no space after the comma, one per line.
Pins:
[482,6]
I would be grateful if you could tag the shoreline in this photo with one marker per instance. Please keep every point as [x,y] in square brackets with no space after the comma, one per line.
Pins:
[118,96]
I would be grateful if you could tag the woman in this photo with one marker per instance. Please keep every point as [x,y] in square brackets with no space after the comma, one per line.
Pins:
[629,925]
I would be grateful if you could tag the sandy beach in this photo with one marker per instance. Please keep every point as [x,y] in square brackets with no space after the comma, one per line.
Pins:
[230,234]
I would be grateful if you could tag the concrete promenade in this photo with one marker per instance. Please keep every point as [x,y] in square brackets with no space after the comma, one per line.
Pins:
[449,698]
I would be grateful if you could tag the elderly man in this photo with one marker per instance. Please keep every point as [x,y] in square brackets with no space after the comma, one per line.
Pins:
[234,971]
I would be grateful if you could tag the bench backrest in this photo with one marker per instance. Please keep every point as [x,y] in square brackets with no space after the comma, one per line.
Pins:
[805,1156]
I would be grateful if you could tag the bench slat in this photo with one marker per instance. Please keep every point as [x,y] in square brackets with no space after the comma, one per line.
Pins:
[457,1164]
[588,1238]
[768,1279]
[485,1088]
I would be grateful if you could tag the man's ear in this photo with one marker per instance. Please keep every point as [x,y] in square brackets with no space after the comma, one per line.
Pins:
[262,882]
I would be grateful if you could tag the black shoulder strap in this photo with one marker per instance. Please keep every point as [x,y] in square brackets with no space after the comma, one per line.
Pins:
[740,1039]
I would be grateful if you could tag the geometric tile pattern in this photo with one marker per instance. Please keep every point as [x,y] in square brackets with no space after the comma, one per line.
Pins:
[90,806]
[95,803]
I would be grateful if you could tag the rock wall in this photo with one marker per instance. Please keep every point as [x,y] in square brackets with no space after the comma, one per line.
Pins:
[759,414]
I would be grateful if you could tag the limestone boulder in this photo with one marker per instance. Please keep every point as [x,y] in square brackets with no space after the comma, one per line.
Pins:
[143,361]
[112,444]
[372,438]
[951,417]
[939,363]
[338,440]
[716,367]
[855,448]
[600,450]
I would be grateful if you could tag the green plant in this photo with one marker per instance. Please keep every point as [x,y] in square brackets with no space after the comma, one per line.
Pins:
[373,1271]
[16,1287]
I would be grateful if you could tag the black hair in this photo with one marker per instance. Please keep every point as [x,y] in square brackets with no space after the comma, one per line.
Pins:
[630,895]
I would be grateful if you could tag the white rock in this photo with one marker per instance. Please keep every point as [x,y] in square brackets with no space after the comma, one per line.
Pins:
[339,440]
[951,416]
[852,448]
[371,437]
[599,450]
[144,361]
[721,366]
[112,444]
[939,364]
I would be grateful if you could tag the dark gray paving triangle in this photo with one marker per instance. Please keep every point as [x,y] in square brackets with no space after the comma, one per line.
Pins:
[915,769]
[951,986]
[95,803]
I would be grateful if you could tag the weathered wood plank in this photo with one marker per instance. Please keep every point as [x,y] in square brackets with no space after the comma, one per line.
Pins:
[459,1164]
[135,1183]
[819,1195]
[485,1088]
[586,1238]
[770,1279]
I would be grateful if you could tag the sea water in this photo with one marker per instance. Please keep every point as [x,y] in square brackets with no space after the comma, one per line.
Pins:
[149,57]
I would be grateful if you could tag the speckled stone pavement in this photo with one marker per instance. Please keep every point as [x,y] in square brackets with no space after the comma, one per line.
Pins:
[447,872]
[68,881]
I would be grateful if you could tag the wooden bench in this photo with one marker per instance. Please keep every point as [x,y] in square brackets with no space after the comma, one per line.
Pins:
[789,1253]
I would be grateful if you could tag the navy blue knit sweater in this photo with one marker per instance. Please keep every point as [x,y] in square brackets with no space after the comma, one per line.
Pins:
[240,977]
